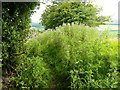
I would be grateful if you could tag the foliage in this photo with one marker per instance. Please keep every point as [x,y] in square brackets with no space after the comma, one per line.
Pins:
[15,25]
[82,57]
[68,12]
[75,55]
[32,73]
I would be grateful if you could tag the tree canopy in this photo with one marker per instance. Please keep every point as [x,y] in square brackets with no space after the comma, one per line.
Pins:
[68,12]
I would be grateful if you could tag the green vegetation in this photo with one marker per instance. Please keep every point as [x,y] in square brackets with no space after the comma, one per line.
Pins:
[78,57]
[74,55]
[15,26]
[68,12]
[32,74]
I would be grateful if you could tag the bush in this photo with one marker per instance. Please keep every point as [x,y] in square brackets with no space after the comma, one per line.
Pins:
[82,57]
[15,27]
[31,74]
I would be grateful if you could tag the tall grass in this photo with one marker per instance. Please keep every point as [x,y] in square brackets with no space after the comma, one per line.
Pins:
[79,56]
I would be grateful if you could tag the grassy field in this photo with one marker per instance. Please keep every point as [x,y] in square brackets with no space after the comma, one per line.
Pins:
[108,27]
[37,26]
[113,29]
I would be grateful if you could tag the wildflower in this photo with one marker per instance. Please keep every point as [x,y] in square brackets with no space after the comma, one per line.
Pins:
[79,41]
[60,26]
[64,24]
[72,23]
[76,22]
[69,24]
[101,34]
[83,24]
[115,71]
[86,26]
[60,32]
[77,62]
[89,42]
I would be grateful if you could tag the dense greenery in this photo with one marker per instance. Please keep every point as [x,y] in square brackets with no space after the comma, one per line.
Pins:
[78,57]
[68,12]
[32,73]
[15,25]
[74,55]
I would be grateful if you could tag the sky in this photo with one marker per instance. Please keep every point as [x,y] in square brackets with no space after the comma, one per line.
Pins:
[110,8]
[36,16]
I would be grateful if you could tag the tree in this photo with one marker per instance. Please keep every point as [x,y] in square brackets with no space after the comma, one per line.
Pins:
[15,25]
[68,12]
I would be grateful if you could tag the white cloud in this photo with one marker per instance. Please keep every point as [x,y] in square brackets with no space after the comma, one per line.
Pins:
[110,7]
[36,16]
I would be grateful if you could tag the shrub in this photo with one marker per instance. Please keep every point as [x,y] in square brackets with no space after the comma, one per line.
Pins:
[31,74]
[75,51]
[15,25]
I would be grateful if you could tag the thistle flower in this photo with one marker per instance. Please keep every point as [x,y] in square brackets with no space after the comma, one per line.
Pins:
[69,24]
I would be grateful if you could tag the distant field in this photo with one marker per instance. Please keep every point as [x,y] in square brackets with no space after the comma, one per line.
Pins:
[114,27]
[104,27]
[37,26]
[111,27]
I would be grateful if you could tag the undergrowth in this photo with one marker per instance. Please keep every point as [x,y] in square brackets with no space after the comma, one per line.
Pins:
[81,56]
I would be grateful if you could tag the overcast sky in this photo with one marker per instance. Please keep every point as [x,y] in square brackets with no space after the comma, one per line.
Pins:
[110,8]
